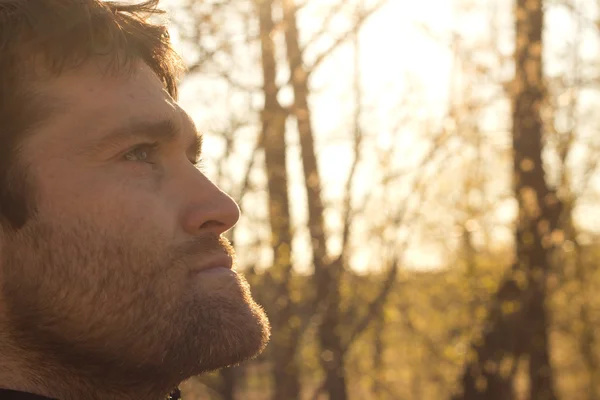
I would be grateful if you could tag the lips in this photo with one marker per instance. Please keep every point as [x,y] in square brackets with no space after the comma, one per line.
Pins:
[220,261]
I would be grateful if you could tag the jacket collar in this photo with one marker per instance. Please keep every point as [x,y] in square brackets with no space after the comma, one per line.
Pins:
[6,394]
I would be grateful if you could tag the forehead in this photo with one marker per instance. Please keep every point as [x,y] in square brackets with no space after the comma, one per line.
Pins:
[90,102]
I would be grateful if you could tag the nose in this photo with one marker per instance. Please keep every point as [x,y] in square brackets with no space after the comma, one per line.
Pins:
[210,210]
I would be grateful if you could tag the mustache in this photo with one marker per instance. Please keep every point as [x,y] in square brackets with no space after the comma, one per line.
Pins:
[204,246]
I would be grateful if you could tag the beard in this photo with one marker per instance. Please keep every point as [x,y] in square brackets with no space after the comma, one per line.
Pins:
[113,311]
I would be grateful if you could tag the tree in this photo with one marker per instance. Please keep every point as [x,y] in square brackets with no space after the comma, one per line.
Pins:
[518,319]
[327,274]
[285,333]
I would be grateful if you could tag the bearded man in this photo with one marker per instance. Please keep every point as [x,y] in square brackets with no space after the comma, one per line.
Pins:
[115,279]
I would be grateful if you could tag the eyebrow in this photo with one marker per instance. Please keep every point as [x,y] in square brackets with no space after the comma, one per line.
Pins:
[164,131]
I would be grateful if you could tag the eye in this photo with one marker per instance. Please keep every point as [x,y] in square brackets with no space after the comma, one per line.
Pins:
[141,153]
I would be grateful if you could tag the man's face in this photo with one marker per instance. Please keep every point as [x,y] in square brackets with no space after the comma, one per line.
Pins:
[103,278]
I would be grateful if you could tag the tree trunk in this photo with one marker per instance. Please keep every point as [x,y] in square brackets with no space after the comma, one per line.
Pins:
[517,323]
[587,333]
[280,308]
[378,362]
[327,275]
[539,208]
[228,383]
[587,347]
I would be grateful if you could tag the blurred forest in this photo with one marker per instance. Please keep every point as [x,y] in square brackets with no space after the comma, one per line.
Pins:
[429,232]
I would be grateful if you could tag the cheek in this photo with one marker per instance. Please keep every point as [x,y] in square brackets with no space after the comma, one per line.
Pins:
[83,264]
[76,280]
[111,218]
[114,204]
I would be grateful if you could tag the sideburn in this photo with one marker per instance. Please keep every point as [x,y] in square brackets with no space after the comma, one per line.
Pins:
[19,120]
[16,197]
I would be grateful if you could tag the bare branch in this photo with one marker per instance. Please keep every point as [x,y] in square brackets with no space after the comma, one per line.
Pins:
[345,36]
[358,138]
[325,25]
[375,306]
[246,181]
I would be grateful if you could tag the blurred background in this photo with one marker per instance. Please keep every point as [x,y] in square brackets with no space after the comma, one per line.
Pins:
[419,188]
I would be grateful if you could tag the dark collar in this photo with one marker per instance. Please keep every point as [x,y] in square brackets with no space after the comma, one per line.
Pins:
[6,394]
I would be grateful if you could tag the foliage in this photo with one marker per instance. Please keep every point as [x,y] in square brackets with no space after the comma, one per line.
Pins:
[418,209]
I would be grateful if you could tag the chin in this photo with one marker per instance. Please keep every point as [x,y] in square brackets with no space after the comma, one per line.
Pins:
[237,347]
[244,336]
[225,329]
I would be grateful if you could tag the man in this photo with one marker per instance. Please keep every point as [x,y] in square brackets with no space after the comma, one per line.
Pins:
[115,279]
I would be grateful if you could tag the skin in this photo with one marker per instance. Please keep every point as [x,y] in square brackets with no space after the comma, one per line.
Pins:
[97,296]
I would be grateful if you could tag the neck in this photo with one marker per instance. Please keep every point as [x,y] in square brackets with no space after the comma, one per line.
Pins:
[36,375]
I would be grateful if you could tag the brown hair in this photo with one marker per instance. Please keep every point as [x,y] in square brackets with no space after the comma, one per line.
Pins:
[62,34]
